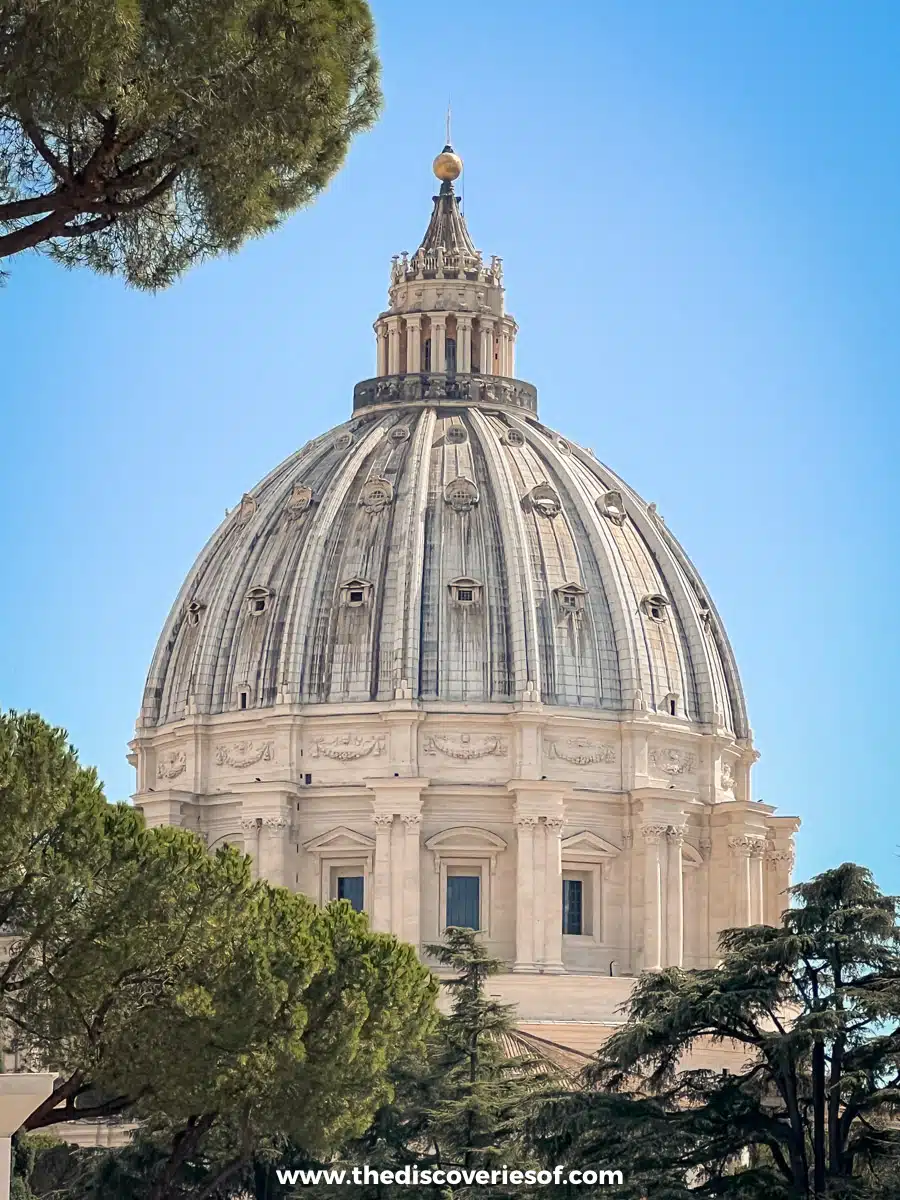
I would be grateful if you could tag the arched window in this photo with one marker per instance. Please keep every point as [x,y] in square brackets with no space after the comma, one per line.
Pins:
[426,355]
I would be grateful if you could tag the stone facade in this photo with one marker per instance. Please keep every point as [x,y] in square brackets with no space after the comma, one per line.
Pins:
[443,656]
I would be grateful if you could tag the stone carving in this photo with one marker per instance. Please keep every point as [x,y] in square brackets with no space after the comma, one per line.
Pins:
[171,764]
[299,500]
[526,821]
[416,389]
[461,495]
[675,834]
[463,747]
[780,854]
[671,761]
[244,754]
[747,844]
[344,441]
[628,839]
[400,433]
[456,435]
[580,751]
[383,819]
[276,823]
[377,493]
[514,437]
[554,824]
[411,820]
[726,776]
[705,844]
[195,611]
[250,824]
[247,509]
[346,746]
[653,833]
[544,500]
[611,506]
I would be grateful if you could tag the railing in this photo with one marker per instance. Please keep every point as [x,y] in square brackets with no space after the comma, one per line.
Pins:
[482,390]
[444,264]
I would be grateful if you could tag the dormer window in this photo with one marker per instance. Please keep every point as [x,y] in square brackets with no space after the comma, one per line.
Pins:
[461,495]
[456,434]
[465,591]
[571,598]
[670,705]
[655,607]
[611,506]
[355,593]
[195,612]
[258,599]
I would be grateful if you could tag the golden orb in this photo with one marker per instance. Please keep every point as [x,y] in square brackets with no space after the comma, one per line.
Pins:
[447,166]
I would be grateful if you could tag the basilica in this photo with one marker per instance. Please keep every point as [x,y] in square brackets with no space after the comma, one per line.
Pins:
[446,665]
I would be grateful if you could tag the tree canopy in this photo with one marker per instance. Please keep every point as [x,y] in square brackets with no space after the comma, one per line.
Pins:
[814,1007]
[160,982]
[138,137]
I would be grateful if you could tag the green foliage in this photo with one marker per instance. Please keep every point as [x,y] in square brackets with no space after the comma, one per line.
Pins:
[225,1016]
[464,1104]
[141,136]
[815,1007]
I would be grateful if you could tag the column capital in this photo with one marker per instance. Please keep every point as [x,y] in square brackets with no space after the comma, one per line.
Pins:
[747,845]
[653,834]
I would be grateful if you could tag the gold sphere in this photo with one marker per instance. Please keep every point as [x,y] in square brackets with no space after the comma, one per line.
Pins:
[447,166]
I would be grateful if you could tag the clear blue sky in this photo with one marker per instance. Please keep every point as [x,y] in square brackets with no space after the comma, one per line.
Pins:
[697,205]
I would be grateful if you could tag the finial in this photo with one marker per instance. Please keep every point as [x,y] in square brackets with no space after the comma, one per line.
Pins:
[448,165]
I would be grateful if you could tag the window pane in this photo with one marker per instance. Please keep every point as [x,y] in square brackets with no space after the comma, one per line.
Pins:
[350,887]
[464,901]
[572,905]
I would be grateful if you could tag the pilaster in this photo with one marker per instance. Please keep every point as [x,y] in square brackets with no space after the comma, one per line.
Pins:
[539,815]
[396,893]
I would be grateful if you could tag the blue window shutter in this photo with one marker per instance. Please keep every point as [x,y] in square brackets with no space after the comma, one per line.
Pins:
[464,901]
[573,892]
[350,887]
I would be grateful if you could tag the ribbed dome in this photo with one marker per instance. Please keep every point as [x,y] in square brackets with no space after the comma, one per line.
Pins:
[451,552]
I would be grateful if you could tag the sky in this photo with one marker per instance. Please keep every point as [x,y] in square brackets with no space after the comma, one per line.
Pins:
[697,207]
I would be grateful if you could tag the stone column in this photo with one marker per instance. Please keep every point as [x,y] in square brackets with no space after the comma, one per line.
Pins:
[526,824]
[380,351]
[396,899]
[414,343]
[510,353]
[464,344]
[552,957]
[487,346]
[393,355]
[381,880]
[779,863]
[412,824]
[653,927]
[740,846]
[251,828]
[272,848]
[757,889]
[675,898]
[438,344]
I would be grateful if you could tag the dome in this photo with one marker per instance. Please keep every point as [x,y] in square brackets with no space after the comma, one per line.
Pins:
[451,549]
[444,664]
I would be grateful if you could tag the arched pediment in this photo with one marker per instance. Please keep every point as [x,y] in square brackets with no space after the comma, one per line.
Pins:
[588,847]
[465,837]
[690,856]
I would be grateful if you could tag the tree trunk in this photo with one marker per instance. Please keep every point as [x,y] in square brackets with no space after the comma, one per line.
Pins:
[818,1091]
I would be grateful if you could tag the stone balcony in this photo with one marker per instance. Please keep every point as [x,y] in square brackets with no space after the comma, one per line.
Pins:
[484,391]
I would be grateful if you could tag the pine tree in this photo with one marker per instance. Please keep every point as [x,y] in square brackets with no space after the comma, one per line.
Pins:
[814,1005]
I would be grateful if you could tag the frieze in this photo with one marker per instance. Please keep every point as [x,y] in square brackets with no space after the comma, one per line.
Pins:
[244,754]
[671,761]
[171,764]
[345,747]
[580,751]
[419,389]
[464,747]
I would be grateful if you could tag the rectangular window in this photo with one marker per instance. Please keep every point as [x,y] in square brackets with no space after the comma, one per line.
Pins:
[350,887]
[573,906]
[464,901]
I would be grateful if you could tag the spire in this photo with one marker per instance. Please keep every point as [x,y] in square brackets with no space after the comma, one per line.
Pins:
[447,228]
